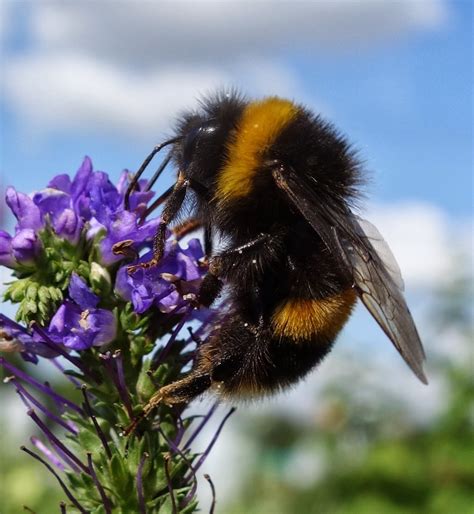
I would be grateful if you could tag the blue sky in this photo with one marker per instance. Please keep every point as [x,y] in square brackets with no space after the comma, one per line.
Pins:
[404,100]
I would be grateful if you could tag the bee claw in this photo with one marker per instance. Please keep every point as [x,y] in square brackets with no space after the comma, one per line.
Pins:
[143,265]
[154,401]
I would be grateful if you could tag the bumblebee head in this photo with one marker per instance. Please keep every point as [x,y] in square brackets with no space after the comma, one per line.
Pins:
[203,136]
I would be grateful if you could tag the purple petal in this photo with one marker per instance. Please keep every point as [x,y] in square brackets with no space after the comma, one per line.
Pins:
[61,182]
[82,206]
[68,225]
[52,201]
[104,324]
[81,293]
[122,183]
[64,320]
[81,180]
[79,341]
[24,209]
[169,302]
[105,199]
[6,255]
[123,284]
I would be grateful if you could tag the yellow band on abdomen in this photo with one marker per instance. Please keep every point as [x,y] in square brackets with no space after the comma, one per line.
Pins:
[303,319]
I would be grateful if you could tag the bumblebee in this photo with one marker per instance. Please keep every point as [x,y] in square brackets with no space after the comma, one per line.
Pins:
[279,186]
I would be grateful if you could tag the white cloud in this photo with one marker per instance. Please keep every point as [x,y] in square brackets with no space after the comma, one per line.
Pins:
[75,91]
[80,92]
[128,66]
[424,240]
[185,31]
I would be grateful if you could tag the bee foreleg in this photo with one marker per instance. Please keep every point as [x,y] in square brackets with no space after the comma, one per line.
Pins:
[172,207]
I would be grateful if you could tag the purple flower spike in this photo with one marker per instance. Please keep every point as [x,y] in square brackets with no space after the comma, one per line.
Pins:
[6,254]
[24,209]
[26,246]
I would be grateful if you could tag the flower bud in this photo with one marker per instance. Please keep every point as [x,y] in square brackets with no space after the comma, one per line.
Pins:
[68,225]
[100,278]
[25,246]
[24,209]
[6,254]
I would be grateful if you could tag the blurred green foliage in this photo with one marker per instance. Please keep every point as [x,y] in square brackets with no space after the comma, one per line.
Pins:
[355,458]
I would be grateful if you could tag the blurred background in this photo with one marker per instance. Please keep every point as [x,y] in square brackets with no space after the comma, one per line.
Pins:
[106,79]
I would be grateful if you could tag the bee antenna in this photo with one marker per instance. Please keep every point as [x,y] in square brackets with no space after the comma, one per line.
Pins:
[144,165]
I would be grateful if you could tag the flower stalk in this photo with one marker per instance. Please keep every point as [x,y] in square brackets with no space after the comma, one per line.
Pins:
[113,336]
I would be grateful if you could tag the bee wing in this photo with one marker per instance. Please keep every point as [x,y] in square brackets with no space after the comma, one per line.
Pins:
[382,249]
[366,258]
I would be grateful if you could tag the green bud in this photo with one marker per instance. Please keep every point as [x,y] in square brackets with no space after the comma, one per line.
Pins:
[55,293]
[100,279]
[44,294]
[16,292]
[32,291]
[145,385]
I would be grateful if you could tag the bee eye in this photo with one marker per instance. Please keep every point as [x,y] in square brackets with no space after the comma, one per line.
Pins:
[195,138]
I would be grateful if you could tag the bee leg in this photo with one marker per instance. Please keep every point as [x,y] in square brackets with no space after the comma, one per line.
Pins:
[186,227]
[182,391]
[172,207]
[209,289]
[208,240]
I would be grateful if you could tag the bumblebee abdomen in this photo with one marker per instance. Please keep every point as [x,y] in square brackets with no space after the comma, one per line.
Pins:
[307,319]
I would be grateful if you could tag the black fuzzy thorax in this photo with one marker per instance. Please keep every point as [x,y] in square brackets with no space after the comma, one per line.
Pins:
[297,263]
[318,153]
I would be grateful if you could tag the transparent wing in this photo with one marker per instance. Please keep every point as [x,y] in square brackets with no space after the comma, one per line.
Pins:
[367,260]
[379,244]
[381,290]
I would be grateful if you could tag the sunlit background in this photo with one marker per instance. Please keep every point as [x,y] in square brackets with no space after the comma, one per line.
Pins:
[107,78]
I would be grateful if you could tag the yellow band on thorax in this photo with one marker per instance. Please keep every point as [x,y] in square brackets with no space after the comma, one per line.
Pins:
[301,319]
[261,122]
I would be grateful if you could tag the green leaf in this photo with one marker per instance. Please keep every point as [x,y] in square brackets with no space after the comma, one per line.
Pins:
[90,442]
[120,477]
[145,386]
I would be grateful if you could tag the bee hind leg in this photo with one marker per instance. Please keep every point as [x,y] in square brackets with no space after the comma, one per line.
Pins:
[182,391]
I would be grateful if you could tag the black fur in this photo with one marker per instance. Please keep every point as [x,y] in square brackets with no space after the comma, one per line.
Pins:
[271,255]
